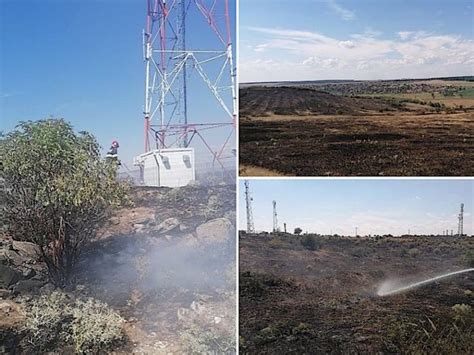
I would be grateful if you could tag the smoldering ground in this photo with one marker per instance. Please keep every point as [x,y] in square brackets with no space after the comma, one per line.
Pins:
[116,268]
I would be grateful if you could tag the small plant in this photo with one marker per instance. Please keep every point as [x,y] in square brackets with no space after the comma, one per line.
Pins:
[462,313]
[95,326]
[198,340]
[56,320]
[45,324]
[468,258]
[310,242]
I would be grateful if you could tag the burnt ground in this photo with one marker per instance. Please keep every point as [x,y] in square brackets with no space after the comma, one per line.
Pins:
[165,282]
[308,133]
[167,266]
[294,300]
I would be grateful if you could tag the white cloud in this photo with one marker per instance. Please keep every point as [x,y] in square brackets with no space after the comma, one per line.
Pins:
[341,11]
[305,55]
[347,44]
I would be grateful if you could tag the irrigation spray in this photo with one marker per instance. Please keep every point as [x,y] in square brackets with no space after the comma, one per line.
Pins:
[390,287]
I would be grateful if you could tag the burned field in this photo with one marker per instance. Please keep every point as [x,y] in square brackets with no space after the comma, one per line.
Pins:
[165,267]
[307,297]
[312,131]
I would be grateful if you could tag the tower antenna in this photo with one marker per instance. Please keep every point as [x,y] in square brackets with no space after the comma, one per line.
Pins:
[461,221]
[248,206]
[175,65]
[275,218]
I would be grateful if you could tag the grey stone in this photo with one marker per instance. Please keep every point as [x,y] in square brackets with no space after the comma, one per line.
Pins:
[8,276]
[215,231]
[27,286]
[167,225]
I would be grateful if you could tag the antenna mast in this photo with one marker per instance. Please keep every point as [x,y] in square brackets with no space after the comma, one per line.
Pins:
[275,217]
[461,221]
[170,59]
[248,206]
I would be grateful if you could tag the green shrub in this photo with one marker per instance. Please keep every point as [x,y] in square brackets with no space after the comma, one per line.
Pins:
[468,258]
[58,191]
[310,242]
[462,313]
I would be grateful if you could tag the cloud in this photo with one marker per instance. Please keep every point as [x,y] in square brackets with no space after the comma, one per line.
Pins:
[404,35]
[341,11]
[347,44]
[306,55]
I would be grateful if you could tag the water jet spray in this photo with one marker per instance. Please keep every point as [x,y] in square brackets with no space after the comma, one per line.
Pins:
[389,287]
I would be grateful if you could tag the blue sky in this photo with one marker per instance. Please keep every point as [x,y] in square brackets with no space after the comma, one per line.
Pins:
[355,39]
[82,60]
[382,206]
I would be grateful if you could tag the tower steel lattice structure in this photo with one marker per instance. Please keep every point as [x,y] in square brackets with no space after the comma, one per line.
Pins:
[170,60]
[248,207]
[461,221]
[275,218]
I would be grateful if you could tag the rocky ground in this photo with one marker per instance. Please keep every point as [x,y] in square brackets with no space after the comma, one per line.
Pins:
[166,265]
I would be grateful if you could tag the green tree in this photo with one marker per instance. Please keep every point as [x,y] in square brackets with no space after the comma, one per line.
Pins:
[57,191]
[298,230]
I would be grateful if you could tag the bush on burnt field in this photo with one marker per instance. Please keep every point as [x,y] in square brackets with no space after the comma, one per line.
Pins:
[468,258]
[58,191]
[310,242]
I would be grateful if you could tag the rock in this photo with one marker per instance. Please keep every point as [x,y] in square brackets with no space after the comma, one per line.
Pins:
[28,273]
[26,248]
[27,286]
[167,225]
[138,227]
[8,276]
[215,231]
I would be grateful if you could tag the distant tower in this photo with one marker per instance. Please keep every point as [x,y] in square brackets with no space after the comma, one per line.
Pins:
[275,217]
[284,226]
[248,205]
[461,221]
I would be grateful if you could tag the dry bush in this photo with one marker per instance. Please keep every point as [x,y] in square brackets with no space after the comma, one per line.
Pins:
[198,340]
[95,326]
[57,320]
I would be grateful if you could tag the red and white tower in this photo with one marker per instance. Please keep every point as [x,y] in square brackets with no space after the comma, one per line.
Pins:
[172,60]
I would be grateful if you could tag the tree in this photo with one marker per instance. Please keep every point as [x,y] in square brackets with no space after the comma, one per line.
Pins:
[57,191]
[298,230]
